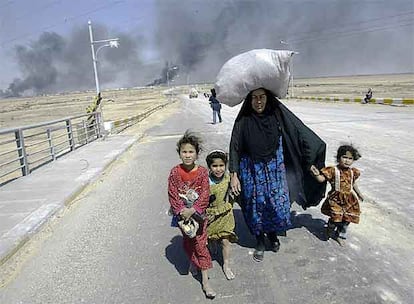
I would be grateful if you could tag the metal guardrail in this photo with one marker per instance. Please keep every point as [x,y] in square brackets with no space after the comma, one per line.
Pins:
[119,125]
[26,148]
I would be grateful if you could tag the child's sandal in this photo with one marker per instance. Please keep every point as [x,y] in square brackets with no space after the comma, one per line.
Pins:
[258,255]
[340,241]
[328,232]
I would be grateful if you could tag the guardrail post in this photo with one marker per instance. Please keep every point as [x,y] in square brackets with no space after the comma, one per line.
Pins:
[85,131]
[70,134]
[21,150]
[52,148]
[99,127]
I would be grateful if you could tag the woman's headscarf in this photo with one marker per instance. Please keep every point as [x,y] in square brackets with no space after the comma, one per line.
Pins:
[260,133]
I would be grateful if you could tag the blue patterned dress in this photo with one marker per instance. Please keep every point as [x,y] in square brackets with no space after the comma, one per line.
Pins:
[265,194]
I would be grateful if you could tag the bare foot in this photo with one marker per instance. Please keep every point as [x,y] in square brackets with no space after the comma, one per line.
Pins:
[228,273]
[208,291]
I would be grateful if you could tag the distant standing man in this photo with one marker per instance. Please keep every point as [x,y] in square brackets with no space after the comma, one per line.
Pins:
[368,96]
[215,105]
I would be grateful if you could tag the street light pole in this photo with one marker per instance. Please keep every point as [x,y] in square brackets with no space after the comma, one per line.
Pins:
[113,43]
[95,69]
[169,69]
[291,69]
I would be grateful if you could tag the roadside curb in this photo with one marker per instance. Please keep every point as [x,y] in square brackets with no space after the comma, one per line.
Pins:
[388,101]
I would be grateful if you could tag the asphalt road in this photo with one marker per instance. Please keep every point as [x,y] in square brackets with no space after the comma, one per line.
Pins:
[114,243]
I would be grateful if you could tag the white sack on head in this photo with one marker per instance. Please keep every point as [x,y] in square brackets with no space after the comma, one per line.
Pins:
[261,68]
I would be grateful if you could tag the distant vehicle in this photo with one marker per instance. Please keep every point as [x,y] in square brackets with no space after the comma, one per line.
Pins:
[193,93]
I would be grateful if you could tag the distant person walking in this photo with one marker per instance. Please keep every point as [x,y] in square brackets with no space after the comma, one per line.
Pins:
[342,203]
[215,105]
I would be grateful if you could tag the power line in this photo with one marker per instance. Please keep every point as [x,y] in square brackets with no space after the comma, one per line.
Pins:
[7,3]
[31,12]
[322,36]
[327,36]
[349,33]
[336,35]
[3,43]
[341,26]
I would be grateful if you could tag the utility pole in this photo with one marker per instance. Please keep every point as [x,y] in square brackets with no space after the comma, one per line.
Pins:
[113,43]
[291,69]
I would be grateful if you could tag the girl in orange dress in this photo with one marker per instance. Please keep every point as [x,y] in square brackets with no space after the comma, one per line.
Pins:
[342,203]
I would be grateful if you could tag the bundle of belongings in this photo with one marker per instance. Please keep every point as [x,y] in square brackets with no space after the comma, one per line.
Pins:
[189,227]
[260,68]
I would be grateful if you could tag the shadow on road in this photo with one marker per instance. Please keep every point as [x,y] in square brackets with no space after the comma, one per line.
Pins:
[176,255]
[314,226]
[246,239]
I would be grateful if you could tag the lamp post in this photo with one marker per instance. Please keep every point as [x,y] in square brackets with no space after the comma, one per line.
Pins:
[113,43]
[168,74]
[291,68]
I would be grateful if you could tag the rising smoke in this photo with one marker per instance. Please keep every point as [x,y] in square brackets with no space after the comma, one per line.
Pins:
[37,63]
[333,37]
[53,63]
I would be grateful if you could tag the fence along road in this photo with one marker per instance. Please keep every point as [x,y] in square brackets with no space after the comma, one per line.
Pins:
[24,149]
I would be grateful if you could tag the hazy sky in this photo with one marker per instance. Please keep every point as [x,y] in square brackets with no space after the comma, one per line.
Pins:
[44,44]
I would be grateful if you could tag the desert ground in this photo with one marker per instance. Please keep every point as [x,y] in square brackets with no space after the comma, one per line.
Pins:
[116,104]
[383,86]
[120,104]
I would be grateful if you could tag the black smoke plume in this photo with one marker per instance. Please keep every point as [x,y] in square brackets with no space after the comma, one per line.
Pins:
[168,74]
[53,63]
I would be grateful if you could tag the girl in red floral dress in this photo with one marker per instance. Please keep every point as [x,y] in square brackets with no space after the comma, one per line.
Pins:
[188,192]
[342,203]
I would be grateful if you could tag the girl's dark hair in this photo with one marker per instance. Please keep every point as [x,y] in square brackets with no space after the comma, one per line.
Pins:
[347,148]
[191,138]
[216,154]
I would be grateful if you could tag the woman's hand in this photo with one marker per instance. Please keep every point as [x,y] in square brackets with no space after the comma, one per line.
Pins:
[317,174]
[186,213]
[314,170]
[235,184]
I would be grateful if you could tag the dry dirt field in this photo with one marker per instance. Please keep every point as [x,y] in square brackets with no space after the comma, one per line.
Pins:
[383,86]
[120,104]
[18,112]
[117,104]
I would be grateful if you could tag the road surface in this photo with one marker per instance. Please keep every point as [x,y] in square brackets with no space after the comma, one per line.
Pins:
[114,243]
